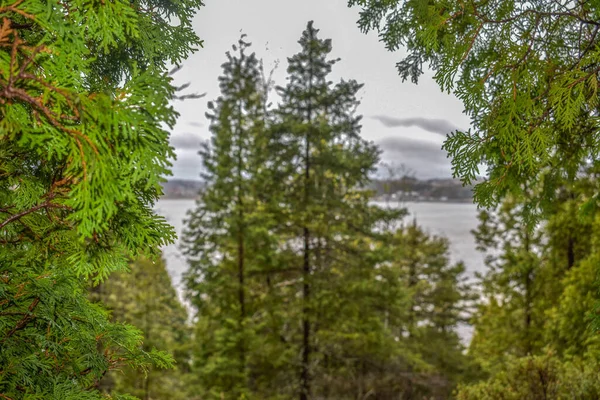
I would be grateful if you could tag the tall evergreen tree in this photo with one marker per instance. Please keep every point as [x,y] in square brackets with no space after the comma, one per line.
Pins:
[511,319]
[226,235]
[329,221]
[535,317]
[439,304]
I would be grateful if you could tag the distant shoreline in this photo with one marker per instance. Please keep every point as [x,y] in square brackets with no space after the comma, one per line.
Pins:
[404,189]
[437,201]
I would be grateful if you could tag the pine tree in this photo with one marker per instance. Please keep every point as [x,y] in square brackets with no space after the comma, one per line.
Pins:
[329,223]
[146,299]
[227,237]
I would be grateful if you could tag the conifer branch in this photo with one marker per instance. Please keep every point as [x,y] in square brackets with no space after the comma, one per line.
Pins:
[47,204]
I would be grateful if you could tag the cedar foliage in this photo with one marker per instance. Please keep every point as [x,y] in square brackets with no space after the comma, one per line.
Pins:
[526,72]
[83,147]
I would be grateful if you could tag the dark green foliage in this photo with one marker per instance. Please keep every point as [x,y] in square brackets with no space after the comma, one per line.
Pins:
[510,320]
[145,299]
[84,103]
[539,377]
[227,240]
[527,74]
[330,225]
[439,303]
[538,299]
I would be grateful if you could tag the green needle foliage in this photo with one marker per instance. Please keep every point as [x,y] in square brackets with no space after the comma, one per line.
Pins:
[533,326]
[511,320]
[145,298]
[538,377]
[439,302]
[84,104]
[526,72]
[330,223]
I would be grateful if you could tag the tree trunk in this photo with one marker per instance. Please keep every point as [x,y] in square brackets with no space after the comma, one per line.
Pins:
[528,294]
[305,372]
[240,245]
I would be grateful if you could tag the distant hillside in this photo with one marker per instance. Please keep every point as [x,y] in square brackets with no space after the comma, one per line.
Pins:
[182,189]
[403,189]
[413,189]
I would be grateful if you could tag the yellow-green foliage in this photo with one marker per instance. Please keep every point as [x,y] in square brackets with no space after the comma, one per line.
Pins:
[540,377]
[84,102]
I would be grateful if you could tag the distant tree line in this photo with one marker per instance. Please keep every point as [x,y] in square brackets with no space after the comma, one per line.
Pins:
[413,189]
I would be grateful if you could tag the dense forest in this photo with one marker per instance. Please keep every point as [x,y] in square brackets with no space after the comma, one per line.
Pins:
[298,284]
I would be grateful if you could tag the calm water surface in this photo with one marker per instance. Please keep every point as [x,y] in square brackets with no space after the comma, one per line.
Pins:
[452,220]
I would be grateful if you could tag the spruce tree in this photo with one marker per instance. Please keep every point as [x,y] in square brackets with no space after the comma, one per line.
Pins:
[84,146]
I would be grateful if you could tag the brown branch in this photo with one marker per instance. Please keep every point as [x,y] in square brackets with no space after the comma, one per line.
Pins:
[10,8]
[12,92]
[583,78]
[538,14]
[475,35]
[21,26]
[13,8]
[25,320]
[15,217]
[9,313]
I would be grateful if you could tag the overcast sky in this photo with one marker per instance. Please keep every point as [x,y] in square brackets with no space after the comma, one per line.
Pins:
[408,121]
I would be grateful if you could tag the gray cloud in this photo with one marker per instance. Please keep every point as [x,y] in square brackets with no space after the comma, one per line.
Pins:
[185,141]
[434,125]
[426,159]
